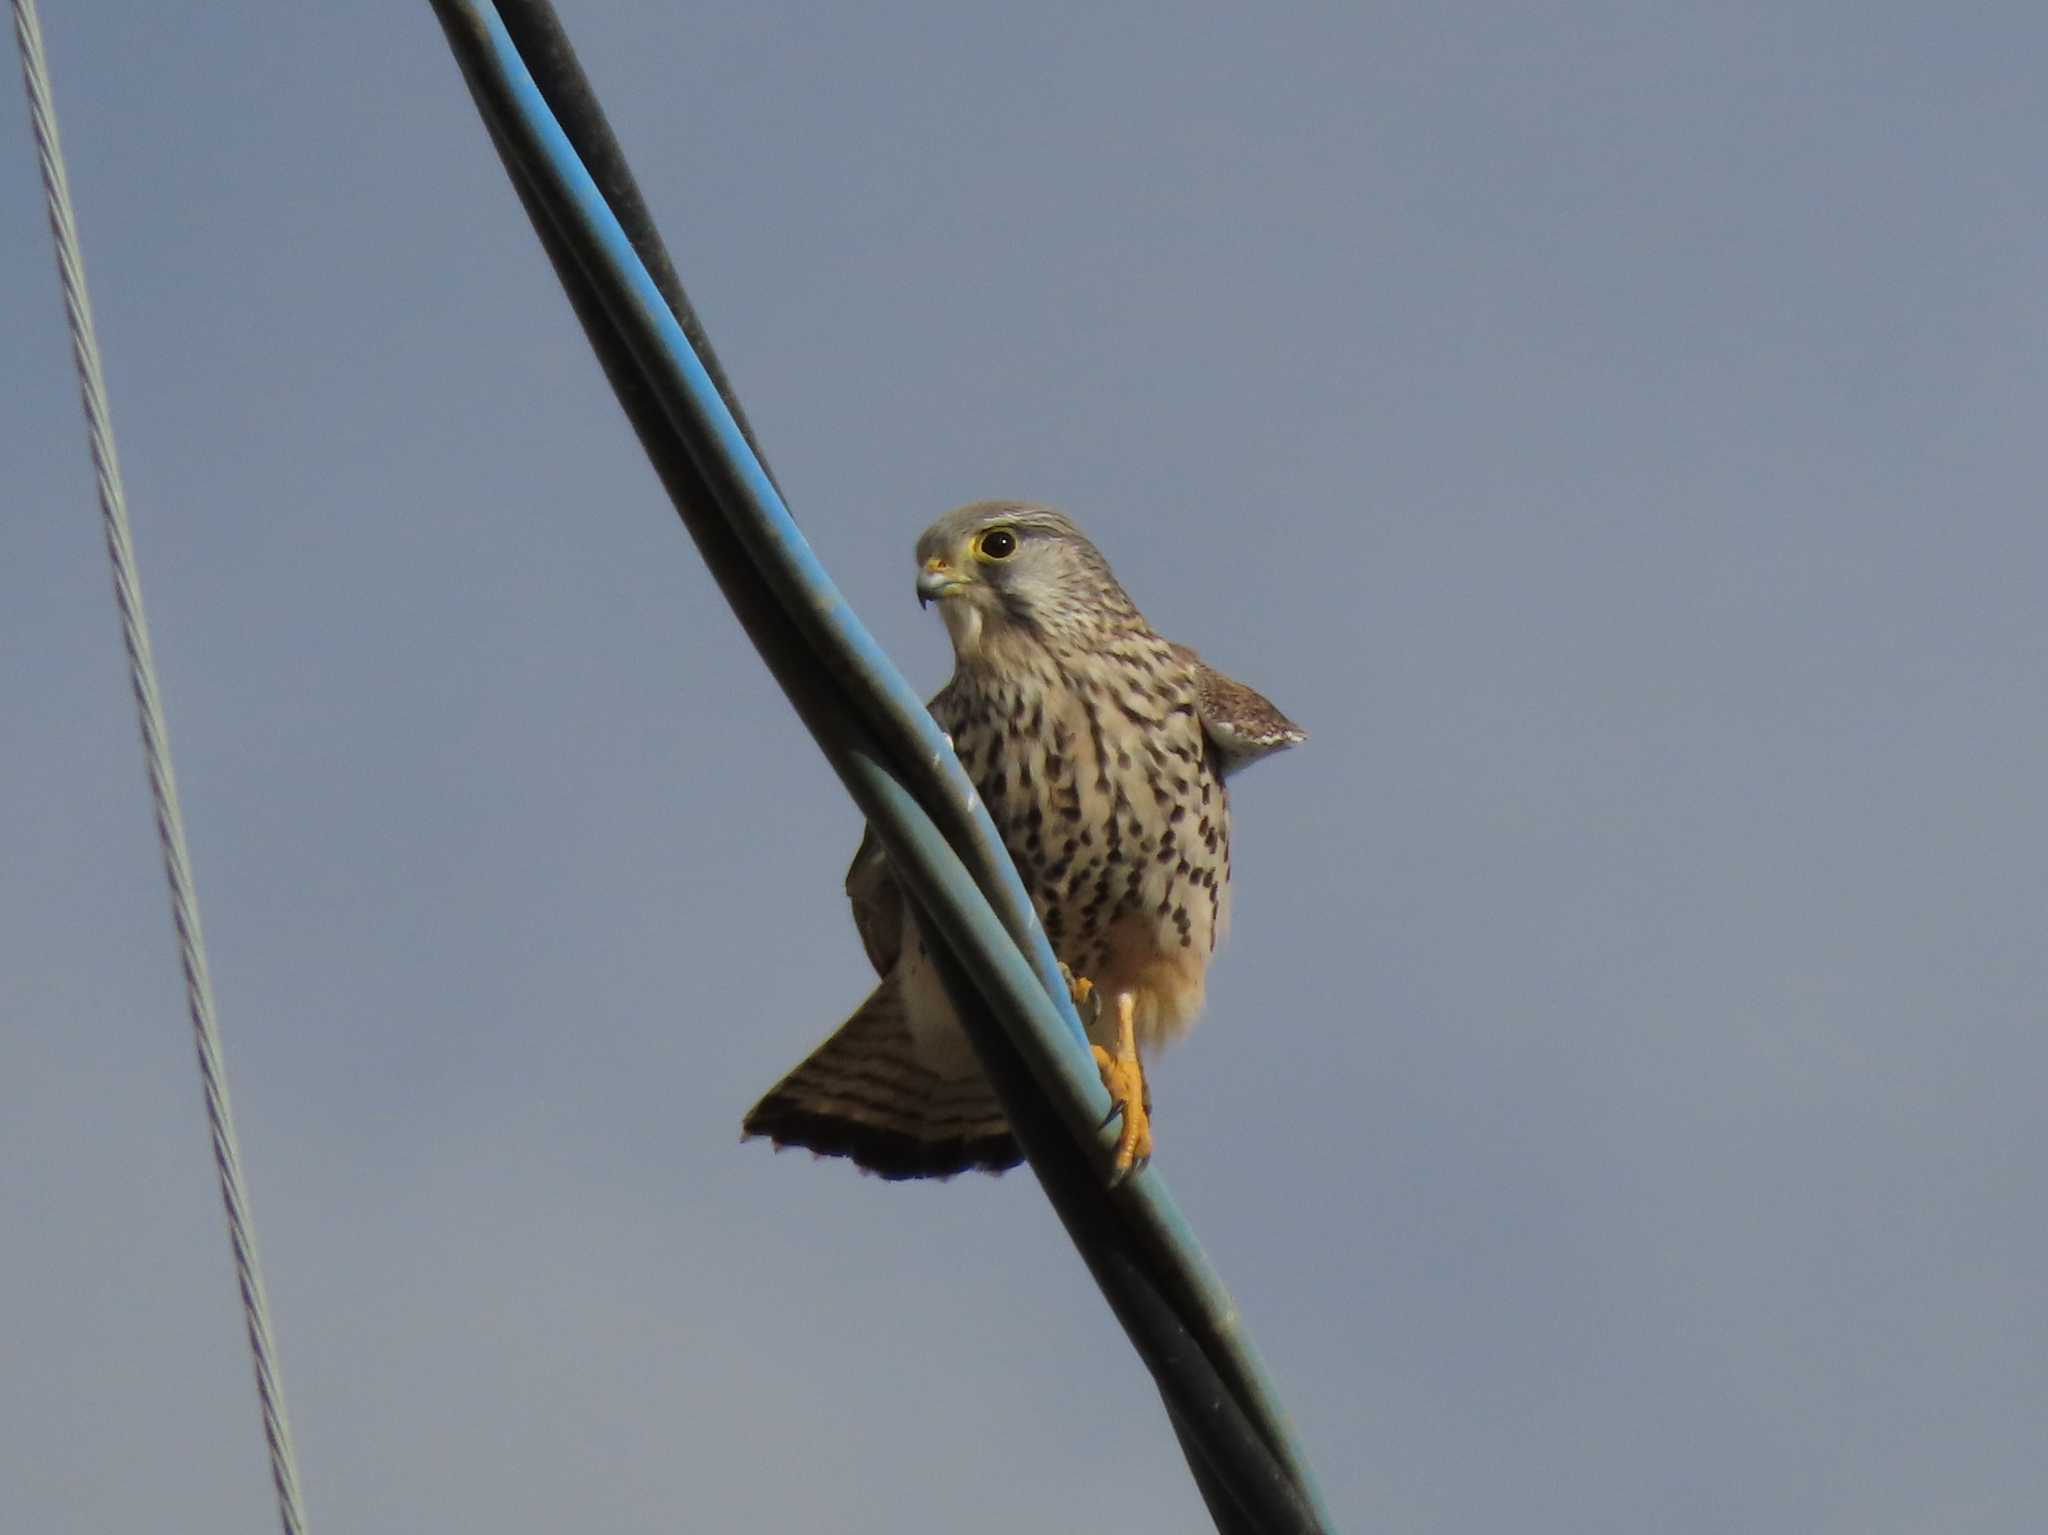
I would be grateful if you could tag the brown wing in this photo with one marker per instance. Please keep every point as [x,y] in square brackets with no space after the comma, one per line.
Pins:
[1242,725]
[877,902]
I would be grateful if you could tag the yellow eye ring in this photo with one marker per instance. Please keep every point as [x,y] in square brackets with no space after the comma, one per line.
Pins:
[995,544]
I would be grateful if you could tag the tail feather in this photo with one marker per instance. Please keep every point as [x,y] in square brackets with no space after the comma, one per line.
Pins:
[865,1094]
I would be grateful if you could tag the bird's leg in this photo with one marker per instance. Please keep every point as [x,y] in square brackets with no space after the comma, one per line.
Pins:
[1124,1075]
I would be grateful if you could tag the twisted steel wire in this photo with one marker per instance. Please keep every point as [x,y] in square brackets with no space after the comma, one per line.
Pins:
[163,787]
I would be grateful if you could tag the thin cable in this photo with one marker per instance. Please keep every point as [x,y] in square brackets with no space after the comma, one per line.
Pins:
[163,788]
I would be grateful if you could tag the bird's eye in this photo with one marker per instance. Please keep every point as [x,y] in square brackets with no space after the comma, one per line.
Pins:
[996,544]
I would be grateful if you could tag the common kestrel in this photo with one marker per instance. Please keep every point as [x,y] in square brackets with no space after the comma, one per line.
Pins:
[1101,751]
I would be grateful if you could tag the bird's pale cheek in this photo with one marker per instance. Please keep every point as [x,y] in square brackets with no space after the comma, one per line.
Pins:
[963,624]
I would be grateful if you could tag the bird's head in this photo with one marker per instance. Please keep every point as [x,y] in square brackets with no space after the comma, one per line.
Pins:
[1006,571]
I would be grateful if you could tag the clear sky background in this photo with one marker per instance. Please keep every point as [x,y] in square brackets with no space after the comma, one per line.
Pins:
[1616,431]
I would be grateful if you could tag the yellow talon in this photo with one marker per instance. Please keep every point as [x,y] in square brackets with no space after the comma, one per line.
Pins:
[1087,1001]
[1124,1075]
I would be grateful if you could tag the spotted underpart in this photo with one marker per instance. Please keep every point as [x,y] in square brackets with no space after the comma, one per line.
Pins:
[1100,750]
[1090,756]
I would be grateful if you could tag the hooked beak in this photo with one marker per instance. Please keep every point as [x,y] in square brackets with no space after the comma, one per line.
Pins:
[936,581]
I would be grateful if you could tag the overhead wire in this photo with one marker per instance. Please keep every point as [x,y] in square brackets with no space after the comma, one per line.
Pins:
[891,757]
[163,784]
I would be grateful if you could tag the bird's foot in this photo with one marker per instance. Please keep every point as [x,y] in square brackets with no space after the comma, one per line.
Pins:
[1129,1096]
[1087,1000]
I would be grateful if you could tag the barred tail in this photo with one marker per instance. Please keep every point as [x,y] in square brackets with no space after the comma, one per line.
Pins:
[865,1094]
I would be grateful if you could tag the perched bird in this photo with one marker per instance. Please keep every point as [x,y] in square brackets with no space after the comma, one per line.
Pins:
[1101,751]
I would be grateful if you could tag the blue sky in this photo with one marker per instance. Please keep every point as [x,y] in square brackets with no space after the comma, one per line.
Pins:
[1614,431]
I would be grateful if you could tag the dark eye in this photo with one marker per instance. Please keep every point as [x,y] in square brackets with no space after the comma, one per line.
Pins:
[996,544]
